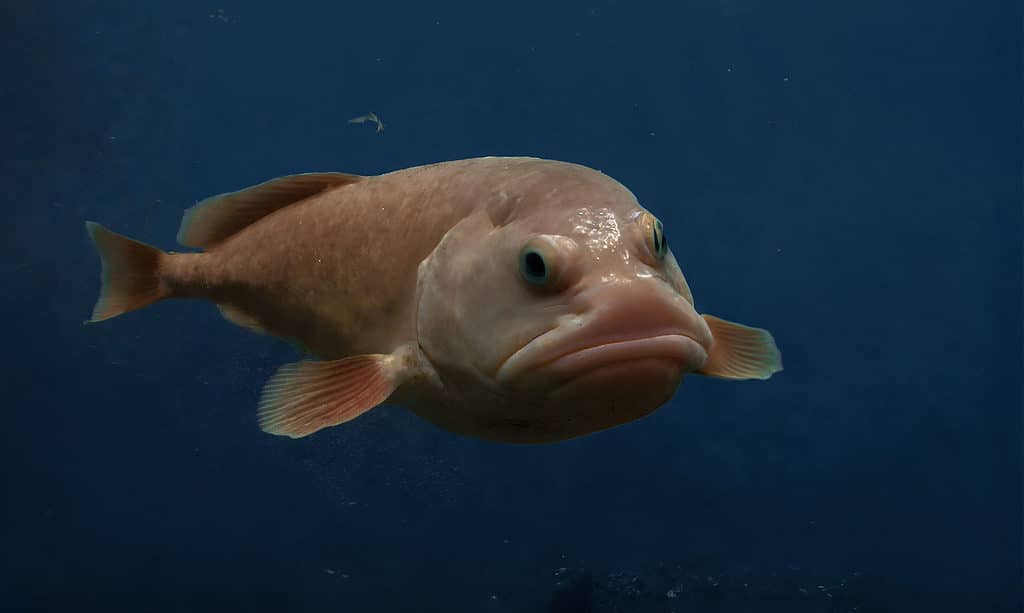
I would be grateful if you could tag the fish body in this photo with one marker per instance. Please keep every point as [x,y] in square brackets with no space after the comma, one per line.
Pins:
[514,299]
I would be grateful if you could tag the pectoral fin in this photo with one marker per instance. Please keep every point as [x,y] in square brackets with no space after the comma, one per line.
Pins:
[307,396]
[304,397]
[740,352]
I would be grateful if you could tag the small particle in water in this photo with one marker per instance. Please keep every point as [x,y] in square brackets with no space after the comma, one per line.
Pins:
[670,594]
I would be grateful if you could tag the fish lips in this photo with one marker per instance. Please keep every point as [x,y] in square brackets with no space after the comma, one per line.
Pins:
[627,328]
[552,360]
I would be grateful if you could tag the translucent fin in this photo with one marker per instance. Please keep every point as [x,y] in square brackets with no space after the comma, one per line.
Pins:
[218,217]
[130,274]
[304,397]
[740,352]
[240,318]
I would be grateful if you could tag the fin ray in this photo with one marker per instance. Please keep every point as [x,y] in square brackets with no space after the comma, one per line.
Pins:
[216,218]
[130,273]
[740,352]
[304,397]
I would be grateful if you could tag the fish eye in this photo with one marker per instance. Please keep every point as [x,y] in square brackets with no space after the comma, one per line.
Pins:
[532,266]
[549,262]
[656,240]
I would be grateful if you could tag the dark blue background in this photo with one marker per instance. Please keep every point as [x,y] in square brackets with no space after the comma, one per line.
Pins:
[844,174]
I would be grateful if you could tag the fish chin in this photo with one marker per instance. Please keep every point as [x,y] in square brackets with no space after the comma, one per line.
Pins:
[617,392]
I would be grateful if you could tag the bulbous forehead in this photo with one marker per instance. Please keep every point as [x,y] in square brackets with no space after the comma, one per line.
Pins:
[596,228]
[574,201]
[549,193]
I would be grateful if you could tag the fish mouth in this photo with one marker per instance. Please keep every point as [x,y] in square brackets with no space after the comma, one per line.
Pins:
[637,326]
[673,348]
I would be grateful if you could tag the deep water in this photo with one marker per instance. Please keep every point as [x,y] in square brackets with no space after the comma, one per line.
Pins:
[847,175]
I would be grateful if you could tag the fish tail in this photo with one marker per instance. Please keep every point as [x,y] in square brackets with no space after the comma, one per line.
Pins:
[131,273]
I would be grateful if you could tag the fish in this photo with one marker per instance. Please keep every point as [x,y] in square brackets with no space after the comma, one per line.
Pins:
[512,299]
[371,117]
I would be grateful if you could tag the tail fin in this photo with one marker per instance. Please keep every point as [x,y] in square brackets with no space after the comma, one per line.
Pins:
[130,273]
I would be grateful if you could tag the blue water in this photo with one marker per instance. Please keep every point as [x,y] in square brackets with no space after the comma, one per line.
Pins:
[847,175]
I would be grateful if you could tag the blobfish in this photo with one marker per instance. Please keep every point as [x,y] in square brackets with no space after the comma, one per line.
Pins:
[513,299]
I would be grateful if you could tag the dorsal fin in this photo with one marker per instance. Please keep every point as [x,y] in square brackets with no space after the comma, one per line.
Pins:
[214,219]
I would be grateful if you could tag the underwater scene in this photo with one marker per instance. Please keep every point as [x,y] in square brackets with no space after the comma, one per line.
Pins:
[557,307]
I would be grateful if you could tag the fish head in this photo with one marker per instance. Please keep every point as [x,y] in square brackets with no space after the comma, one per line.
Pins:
[561,314]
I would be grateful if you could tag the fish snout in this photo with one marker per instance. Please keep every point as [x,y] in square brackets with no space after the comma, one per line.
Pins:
[640,308]
[629,326]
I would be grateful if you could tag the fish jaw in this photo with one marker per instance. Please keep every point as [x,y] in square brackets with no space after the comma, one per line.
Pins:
[637,328]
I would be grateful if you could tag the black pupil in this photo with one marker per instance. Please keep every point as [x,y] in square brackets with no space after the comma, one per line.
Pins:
[535,265]
[660,245]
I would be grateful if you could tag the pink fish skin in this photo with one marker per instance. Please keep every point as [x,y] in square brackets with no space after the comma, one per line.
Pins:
[508,298]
